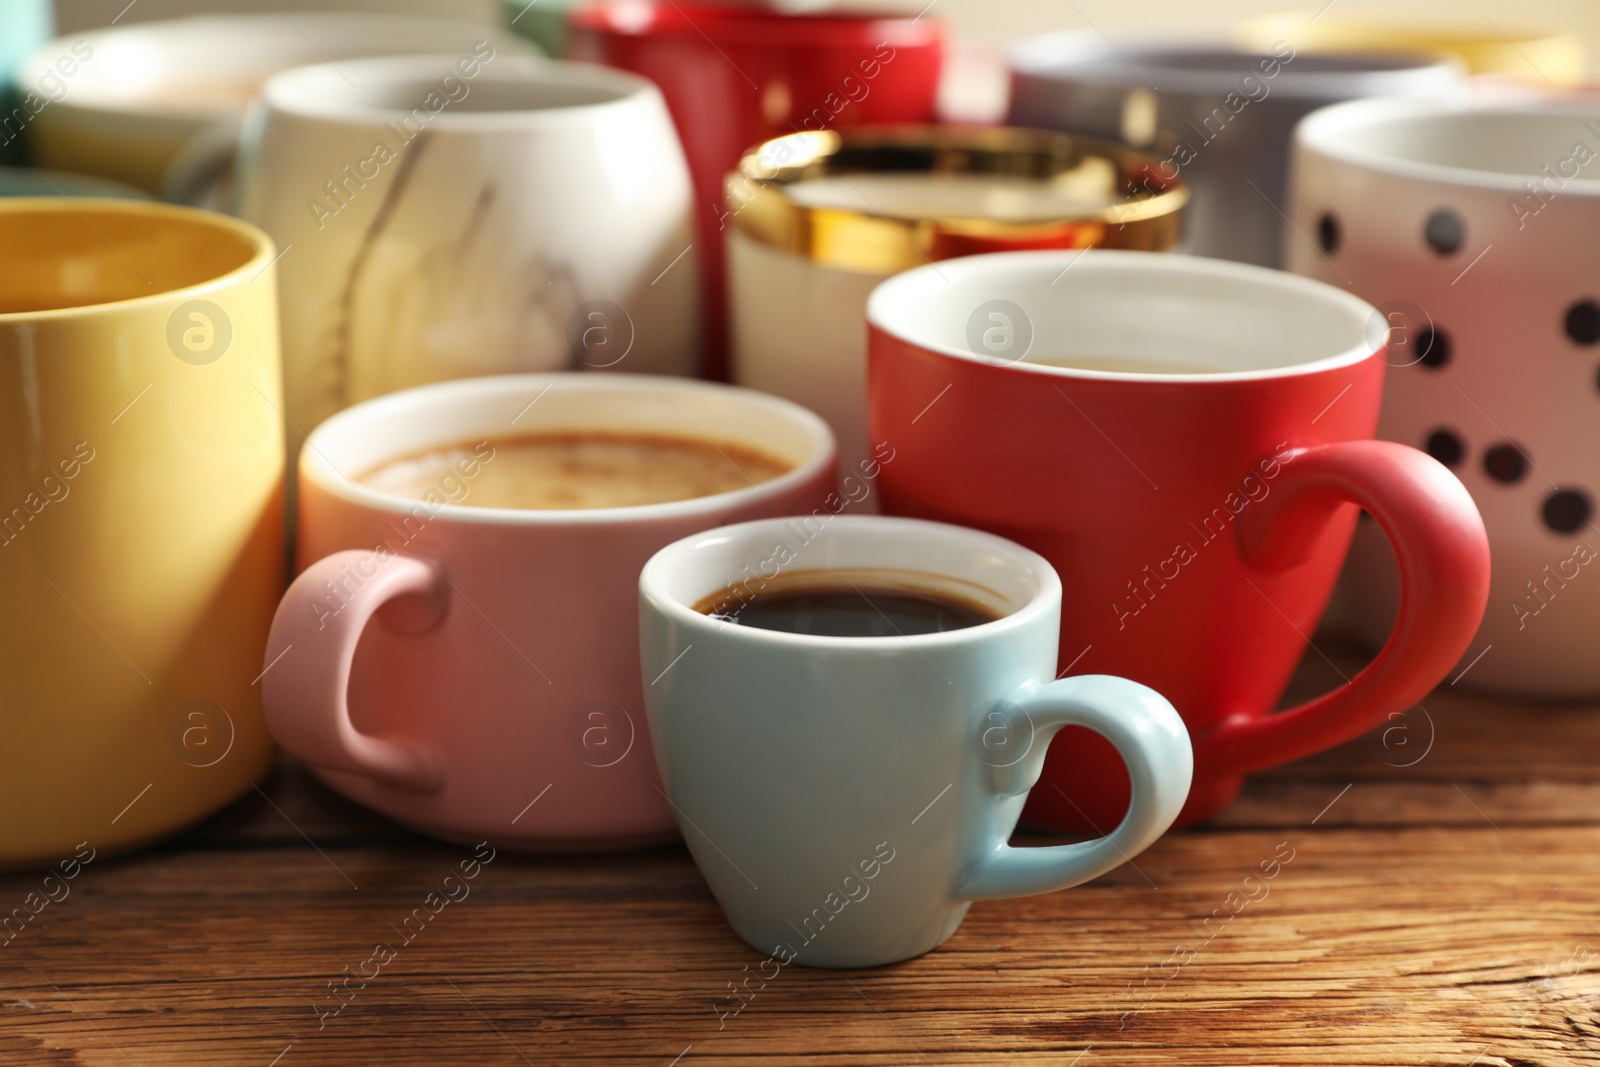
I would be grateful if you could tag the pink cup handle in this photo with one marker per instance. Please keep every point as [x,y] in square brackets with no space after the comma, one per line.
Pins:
[1443,550]
[310,649]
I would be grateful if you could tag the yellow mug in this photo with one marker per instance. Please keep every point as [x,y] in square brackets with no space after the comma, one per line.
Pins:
[1545,57]
[141,518]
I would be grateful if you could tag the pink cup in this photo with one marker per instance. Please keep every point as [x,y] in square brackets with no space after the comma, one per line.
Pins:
[497,694]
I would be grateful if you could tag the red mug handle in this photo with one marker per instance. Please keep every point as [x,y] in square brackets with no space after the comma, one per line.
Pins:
[310,649]
[1443,551]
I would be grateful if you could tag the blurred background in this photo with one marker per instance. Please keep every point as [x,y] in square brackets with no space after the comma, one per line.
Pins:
[979,21]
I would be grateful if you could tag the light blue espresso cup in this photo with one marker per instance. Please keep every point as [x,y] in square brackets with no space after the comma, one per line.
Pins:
[847,798]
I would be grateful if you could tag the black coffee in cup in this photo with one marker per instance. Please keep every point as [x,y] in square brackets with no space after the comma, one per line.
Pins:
[855,602]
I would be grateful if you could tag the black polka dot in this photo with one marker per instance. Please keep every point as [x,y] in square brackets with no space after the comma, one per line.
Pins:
[1583,322]
[1433,347]
[1328,233]
[1444,231]
[1505,463]
[1446,447]
[1566,509]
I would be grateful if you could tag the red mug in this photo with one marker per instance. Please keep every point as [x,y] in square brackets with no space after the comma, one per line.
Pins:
[736,75]
[1189,442]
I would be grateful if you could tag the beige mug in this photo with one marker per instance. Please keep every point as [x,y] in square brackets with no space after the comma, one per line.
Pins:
[158,104]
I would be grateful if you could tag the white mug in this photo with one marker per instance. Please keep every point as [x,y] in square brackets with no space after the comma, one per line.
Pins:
[157,104]
[847,798]
[816,220]
[459,215]
[1220,117]
[1474,230]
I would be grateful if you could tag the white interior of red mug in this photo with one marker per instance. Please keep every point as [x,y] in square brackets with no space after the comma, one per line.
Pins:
[1007,579]
[1499,146]
[469,410]
[522,89]
[1127,315]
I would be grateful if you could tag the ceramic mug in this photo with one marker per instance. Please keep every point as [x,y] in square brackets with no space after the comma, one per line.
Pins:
[1216,115]
[819,219]
[141,526]
[448,664]
[1183,439]
[544,22]
[145,103]
[847,798]
[1544,57]
[1472,228]
[735,75]
[24,26]
[447,216]
[31,181]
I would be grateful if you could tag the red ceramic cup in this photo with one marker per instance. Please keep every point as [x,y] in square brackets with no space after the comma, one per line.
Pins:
[736,75]
[1188,441]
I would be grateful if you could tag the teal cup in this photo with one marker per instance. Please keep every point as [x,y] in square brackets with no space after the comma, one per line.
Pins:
[24,26]
[544,22]
[31,181]
[848,797]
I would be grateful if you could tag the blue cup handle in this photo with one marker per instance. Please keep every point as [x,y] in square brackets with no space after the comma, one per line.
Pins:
[1154,744]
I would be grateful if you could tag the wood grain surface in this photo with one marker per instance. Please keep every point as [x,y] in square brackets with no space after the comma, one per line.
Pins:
[1441,906]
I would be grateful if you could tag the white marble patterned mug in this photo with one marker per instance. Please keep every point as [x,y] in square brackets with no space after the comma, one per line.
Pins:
[451,216]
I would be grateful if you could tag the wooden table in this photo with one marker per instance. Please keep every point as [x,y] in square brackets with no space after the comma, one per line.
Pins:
[1442,906]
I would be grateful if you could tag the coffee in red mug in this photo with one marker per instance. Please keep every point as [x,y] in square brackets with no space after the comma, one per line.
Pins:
[1189,442]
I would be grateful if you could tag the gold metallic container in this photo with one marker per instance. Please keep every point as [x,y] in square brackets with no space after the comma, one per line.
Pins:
[1114,196]
[816,220]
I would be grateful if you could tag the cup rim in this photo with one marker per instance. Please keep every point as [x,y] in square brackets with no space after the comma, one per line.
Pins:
[1420,32]
[1046,593]
[260,259]
[1324,133]
[1074,55]
[245,27]
[746,25]
[889,240]
[1059,263]
[317,468]
[301,92]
